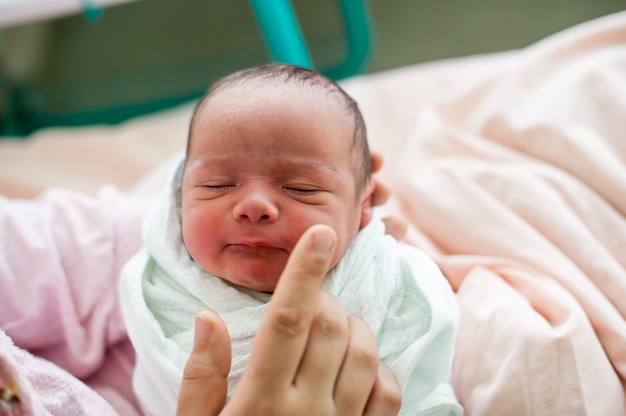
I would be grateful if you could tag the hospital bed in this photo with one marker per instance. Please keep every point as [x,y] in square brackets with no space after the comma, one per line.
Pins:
[79,62]
[510,169]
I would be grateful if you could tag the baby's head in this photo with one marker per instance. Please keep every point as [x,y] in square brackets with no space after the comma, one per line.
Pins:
[272,151]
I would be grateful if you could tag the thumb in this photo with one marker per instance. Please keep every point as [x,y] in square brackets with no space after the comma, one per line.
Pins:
[204,386]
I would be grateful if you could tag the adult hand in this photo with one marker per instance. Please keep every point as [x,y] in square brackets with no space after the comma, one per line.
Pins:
[308,357]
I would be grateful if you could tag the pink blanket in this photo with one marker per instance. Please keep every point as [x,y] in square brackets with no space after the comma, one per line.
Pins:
[60,257]
[511,171]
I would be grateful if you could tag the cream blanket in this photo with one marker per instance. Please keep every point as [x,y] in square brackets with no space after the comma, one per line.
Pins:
[397,289]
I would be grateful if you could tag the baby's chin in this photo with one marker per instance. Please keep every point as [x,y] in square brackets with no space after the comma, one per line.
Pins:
[259,280]
[256,285]
[261,275]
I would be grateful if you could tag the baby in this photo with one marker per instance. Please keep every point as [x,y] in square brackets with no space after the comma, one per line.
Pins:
[272,151]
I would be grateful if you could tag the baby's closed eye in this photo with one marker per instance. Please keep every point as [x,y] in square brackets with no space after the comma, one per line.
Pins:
[219,187]
[301,190]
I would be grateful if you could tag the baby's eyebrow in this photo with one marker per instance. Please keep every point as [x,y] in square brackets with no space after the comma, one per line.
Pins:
[310,167]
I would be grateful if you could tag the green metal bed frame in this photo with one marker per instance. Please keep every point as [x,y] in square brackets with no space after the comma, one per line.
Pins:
[285,42]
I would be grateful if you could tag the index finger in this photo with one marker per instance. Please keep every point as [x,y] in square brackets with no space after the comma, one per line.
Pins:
[282,337]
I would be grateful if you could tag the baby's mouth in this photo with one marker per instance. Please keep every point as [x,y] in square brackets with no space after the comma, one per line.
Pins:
[254,249]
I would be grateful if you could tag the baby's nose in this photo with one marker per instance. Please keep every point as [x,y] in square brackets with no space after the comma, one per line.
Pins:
[256,205]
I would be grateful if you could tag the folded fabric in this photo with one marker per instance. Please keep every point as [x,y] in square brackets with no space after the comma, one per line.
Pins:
[39,387]
[63,343]
[395,288]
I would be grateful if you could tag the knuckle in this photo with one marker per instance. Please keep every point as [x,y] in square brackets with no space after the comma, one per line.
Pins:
[289,320]
[389,398]
[392,398]
[193,370]
[330,319]
[266,406]
[315,264]
[330,325]
[362,357]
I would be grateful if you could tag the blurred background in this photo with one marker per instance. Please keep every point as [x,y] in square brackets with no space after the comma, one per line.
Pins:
[104,65]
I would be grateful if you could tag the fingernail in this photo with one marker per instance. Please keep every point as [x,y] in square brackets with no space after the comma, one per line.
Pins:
[323,241]
[202,329]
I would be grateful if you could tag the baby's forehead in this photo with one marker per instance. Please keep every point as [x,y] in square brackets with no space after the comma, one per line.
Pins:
[314,100]
[319,88]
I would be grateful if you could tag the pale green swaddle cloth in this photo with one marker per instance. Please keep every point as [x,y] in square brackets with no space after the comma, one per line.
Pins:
[395,288]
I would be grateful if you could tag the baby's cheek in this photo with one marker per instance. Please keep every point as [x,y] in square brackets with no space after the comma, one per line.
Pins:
[193,240]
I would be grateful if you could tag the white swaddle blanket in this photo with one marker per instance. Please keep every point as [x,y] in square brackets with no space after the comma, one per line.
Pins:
[395,288]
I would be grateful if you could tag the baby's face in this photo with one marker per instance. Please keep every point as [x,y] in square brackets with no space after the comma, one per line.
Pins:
[263,167]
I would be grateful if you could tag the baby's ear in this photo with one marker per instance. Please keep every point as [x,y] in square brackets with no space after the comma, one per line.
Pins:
[366,204]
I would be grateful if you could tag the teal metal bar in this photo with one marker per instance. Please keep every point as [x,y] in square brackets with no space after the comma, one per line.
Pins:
[359,34]
[285,41]
[281,31]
